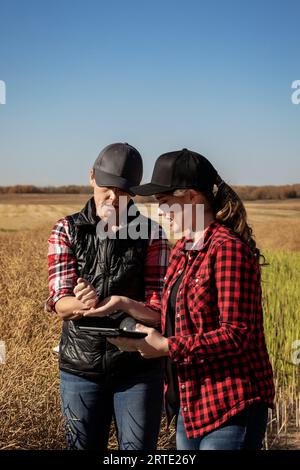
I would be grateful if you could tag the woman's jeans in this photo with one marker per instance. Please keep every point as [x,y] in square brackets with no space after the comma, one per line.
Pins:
[245,430]
[135,402]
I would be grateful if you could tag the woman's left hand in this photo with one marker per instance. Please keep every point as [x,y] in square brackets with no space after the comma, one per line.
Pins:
[107,306]
[152,346]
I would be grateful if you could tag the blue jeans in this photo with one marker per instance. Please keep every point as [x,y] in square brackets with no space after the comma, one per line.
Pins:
[135,403]
[245,430]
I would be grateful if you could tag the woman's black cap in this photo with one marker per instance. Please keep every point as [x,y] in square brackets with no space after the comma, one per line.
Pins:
[119,165]
[181,169]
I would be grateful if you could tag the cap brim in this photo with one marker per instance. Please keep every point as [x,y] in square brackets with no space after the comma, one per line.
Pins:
[150,189]
[107,179]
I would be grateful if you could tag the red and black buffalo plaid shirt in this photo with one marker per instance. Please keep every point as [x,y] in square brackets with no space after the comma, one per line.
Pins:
[219,345]
[63,266]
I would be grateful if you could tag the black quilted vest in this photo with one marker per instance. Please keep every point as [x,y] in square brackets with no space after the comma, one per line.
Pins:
[112,266]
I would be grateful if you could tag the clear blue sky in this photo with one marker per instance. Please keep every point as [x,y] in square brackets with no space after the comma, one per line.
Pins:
[213,76]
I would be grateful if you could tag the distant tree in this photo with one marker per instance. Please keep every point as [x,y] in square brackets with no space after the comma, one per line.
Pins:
[246,193]
[290,193]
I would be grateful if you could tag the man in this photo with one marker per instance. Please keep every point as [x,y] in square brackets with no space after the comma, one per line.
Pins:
[97,380]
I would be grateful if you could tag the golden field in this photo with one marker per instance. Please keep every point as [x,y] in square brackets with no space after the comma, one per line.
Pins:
[29,387]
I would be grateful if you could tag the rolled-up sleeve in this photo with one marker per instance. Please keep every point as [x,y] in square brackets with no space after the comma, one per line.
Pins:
[61,265]
[156,263]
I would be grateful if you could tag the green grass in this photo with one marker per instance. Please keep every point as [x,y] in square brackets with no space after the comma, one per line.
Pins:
[281,301]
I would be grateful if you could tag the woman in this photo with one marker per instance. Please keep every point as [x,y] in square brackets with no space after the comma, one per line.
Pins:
[219,378]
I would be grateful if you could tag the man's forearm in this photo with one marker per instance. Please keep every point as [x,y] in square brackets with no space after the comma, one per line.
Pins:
[66,306]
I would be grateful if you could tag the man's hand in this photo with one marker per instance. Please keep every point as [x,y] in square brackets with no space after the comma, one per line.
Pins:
[106,307]
[85,292]
[153,346]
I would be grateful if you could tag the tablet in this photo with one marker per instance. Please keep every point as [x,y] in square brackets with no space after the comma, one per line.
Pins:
[113,332]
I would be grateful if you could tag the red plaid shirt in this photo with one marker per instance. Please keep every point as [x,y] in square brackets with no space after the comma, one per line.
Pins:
[219,345]
[63,266]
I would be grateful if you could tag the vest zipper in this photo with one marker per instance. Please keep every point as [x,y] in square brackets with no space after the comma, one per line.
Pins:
[105,294]
[106,272]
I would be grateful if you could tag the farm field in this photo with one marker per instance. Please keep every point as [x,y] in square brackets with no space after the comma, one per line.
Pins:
[276,223]
[29,398]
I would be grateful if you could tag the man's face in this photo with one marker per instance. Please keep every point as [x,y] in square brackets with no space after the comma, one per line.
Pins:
[107,200]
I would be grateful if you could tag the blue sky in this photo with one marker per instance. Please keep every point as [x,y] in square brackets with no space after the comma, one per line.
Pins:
[213,76]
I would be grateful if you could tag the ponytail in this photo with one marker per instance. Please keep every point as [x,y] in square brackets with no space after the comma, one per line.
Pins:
[230,211]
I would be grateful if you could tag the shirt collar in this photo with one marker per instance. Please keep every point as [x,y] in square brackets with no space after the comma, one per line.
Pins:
[194,246]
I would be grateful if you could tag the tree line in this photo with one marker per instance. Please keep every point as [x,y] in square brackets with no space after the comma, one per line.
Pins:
[247,193]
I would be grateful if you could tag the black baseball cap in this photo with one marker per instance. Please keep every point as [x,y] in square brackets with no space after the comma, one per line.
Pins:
[119,165]
[182,169]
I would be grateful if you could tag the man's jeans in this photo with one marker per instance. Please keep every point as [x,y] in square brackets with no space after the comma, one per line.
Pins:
[246,431]
[135,402]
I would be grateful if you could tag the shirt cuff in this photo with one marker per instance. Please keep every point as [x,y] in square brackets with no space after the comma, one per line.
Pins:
[179,350]
[51,301]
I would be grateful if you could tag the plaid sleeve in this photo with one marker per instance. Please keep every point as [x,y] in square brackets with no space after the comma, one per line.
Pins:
[236,280]
[61,264]
[155,267]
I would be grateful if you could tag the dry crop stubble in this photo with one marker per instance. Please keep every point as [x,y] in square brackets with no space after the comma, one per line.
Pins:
[29,383]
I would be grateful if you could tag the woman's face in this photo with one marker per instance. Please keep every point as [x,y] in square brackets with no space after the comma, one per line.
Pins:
[182,213]
[171,208]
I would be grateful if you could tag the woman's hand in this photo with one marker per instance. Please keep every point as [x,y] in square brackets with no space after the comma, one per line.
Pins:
[86,293]
[106,307]
[152,346]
